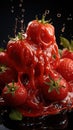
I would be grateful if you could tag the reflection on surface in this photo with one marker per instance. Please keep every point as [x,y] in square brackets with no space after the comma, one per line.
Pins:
[61,121]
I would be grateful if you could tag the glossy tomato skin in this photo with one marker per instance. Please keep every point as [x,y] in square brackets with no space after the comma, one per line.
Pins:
[59,92]
[7,71]
[67,54]
[17,98]
[7,76]
[15,52]
[65,68]
[4,59]
[53,56]
[20,52]
[40,33]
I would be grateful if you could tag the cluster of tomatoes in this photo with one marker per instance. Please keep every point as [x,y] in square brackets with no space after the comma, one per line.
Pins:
[33,74]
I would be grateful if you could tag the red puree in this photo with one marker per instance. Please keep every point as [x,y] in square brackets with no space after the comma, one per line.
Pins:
[34,57]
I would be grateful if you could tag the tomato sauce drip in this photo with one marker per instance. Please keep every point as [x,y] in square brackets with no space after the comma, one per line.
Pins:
[34,62]
[38,63]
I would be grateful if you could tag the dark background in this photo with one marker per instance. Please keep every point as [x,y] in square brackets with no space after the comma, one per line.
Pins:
[60,11]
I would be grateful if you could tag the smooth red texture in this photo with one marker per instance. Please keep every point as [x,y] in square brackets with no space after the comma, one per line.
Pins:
[19,96]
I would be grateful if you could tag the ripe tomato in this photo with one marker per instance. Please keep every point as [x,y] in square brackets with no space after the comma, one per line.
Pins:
[67,54]
[14,94]
[4,59]
[40,32]
[20,52]
[67,51]
[65,68]
[7,71]
[7,75]
[15,52]
[55,87]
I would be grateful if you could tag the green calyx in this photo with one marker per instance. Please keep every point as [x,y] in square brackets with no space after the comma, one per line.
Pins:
[43,19]
[3,68]
[11,88]
[53,85]
[66,43]
[19,36]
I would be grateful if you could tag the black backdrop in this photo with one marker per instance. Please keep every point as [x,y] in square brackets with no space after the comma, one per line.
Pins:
[60,11]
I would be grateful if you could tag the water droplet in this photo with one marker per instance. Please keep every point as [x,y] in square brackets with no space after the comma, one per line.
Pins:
[15,28]
[69,19]
[21,1]
[19,16]
[58,15]
[23,10]
[22,25]
[22,16]
[12,11]
[63,28]
[4,41]
[12,7]
[70,14]
[20,5]
[46,12]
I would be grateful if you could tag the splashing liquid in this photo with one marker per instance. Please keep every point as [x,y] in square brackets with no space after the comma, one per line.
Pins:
[19,18]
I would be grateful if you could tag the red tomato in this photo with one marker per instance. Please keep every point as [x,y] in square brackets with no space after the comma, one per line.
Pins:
[20,52]
[7,71]
[55,87]
[14,94]
[4,59]
[67,54]
[15,52]
[7,75]
[41,33]
[67,51]
[65,68]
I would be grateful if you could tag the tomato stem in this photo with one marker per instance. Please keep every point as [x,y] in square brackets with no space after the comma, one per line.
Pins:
[11,88]
[3,68]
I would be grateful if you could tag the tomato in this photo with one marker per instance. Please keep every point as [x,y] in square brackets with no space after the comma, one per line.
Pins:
[7,75]
[7,71]
[65,68]
[15,52]
[40,32]
[4,59]
[67,51]
[67,54]
[14,94]
[54,87]
[20,52]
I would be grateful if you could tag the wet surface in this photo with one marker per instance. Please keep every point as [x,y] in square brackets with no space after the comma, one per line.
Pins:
[61,121]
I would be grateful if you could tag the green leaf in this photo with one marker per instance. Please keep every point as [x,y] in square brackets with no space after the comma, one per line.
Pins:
[15,115]
[53,85]
[1,49]
[71,44]
[64,42]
